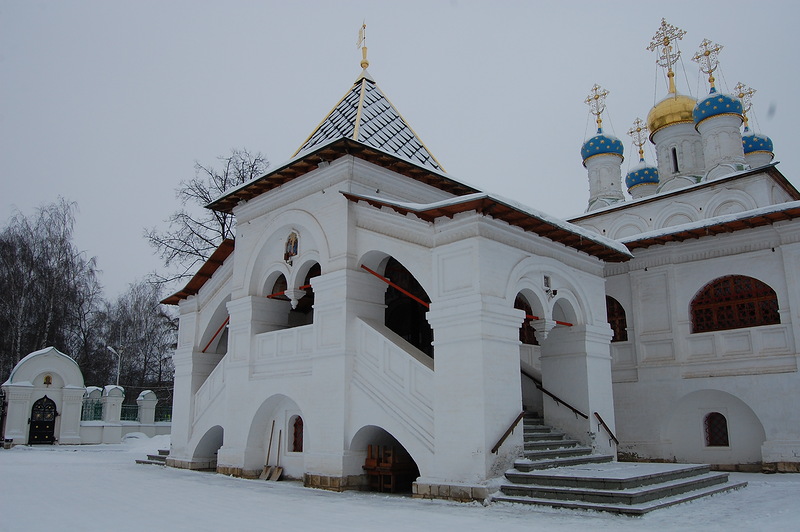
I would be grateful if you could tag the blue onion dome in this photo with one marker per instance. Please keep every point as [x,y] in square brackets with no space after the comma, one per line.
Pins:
[753,142]
[641,174]
[716,104]
[601,144]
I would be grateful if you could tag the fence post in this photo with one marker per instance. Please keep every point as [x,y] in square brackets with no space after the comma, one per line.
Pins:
[112,407]
[147,401]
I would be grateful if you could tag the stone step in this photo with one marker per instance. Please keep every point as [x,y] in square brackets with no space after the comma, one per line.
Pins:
[628,509]
[151,462]
[582,477]
[550,444]
[528,464]
[547,454]
[551,435]
[632,496]
[157,458]
[163,452]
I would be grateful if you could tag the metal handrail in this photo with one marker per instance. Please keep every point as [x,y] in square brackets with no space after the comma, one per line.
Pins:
[552,396]
[603,424]
[507,432]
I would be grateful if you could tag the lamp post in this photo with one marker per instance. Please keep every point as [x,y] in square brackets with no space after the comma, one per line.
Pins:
[119,360]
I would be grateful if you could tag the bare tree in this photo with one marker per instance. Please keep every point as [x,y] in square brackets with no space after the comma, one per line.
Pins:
[194,233]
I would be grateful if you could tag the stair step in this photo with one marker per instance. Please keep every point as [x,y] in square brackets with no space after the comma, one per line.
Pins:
[541,435]
[632,509]
[528,464]
[151,462]
[550,444]
[581,477]
[163,452]
[632,496]
[546,454]
[157,458]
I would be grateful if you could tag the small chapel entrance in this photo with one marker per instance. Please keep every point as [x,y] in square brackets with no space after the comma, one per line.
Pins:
[43,421]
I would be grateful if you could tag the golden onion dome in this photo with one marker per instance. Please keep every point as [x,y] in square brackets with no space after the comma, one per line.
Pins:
[674,109]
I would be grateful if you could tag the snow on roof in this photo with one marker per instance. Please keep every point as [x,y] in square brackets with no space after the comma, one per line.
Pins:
[46,350]
[710,222]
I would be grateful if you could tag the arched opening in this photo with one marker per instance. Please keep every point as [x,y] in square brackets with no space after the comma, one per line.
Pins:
[675,160]
[715,427]
[43,422]
[296,424]
[529,356]
[617,320]
[303,311]
[526,333]
[388,466]
[205,454]
[734,302]
[405,315]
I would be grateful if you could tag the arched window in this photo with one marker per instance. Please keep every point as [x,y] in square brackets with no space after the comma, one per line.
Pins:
[297,435]
[526,333]
[617,320]
[734,302]
[716,429]
[675,161]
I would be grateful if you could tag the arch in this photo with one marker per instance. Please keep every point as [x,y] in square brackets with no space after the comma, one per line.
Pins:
[733,302]
[207,447]
[617,319]
[685,429]
[627,225]
[273,422]
[296,426]
[729,202]
[526,333]
[214,340]
[267,255]
[404,315]
[564,309]
[676,214]
[527,277]
[388,464]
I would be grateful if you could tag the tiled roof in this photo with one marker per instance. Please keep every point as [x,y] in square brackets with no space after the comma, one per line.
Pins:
[366,115]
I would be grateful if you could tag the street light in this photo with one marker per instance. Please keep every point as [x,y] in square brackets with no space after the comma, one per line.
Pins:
[119,360]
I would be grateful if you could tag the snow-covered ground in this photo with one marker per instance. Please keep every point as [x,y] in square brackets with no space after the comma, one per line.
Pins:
[99,487]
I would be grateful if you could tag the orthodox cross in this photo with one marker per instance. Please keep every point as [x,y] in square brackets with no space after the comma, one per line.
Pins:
[639,135]
[362,43]
[597,103]
[744,93]
[662,43]
[706,57]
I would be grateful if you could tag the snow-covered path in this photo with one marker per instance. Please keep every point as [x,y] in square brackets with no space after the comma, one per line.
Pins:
[99,487]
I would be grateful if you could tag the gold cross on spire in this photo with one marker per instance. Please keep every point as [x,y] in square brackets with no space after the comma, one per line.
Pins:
[639,135]
[362,43]
[597,103]
[706,57]
[745,93]
[662,43]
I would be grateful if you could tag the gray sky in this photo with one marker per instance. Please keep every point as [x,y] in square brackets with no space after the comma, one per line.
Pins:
[110,103]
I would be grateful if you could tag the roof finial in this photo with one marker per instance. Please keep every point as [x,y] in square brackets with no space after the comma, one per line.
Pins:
[663,41]
[362,43]
[706,57]
[639,135]
[745,93]
[597,104]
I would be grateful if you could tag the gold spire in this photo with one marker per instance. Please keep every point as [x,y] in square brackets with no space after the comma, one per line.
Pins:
[662,43]
[597,103]
[745,93]
[639,135]
[706,57]
[362,43]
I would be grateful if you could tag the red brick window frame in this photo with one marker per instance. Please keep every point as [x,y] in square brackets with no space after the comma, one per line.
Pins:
[716,430]
[734,302]
[617,320]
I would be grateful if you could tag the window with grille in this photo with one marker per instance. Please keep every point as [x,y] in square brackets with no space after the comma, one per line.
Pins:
[297,435]
[734,302]
[716,429]
[617,320]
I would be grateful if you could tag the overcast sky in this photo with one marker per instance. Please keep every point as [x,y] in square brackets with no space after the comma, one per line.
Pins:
[110,103]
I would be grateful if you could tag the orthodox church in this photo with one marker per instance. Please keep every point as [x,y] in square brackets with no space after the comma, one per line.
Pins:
[372,308]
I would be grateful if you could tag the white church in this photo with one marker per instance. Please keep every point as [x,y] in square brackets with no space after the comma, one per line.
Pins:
[375,311]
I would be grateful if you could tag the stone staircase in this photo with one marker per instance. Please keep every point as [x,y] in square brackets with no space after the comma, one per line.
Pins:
[156,459]
[559,472]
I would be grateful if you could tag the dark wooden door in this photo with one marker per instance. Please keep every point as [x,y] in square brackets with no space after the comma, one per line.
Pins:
[43,421]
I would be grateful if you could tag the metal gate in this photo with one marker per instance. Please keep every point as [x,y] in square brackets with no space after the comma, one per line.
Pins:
[43,421]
